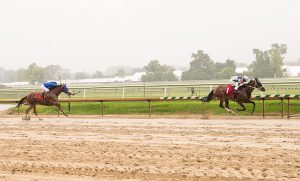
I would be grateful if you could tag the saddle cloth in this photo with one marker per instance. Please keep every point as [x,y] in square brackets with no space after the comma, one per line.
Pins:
[230,89]
[39,96]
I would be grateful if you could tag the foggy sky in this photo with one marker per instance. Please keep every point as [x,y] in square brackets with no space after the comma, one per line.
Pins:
[86,35]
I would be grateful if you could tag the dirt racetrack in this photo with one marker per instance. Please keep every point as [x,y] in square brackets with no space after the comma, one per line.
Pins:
[149,149]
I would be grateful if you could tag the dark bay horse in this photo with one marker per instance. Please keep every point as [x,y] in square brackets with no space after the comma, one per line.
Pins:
[243,95]
[49,99]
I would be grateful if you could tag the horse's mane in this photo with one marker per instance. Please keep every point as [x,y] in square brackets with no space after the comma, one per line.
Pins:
[248,83]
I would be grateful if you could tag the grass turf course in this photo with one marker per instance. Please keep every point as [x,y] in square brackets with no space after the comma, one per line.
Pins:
[273,107]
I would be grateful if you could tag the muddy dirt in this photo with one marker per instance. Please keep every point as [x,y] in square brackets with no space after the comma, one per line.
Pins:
[149,149]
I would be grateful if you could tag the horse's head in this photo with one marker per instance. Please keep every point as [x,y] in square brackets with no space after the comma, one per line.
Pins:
[63,88]
[66,89]
[258,85]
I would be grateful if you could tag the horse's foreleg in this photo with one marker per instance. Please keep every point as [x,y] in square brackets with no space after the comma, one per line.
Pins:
[253,108]
[61,110]
[242,105]
[34,110]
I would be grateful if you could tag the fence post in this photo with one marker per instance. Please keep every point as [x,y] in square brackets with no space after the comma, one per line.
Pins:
[123,92]
[282,108]
[102,112]
[149,108]
[165,93]
[288,108]
[144,90]
[84,92]
[263,107]
[69,105]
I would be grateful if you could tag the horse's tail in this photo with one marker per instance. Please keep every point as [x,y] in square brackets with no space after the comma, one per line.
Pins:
[21,102]
[209,97]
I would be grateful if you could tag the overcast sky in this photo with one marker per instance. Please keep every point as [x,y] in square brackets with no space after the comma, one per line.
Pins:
[87,35]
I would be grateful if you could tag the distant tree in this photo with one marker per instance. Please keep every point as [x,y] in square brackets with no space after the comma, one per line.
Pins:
[34,73]
[81,75]
[98,74]
[65,73]
[20,75]
[224,70]
[51,72]
[225,73]
[135,70]
[262,66]
[276,54]
[268,63]
[201,67]
[120,72]
[2,75]
[157,72]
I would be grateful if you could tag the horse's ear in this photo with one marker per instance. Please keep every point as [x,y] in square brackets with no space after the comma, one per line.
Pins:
[256,78]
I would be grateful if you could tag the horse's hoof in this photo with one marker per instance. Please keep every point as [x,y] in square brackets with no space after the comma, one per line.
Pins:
[26,118]
[40,119]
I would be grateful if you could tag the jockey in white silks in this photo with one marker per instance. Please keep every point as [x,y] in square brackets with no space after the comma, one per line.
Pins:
[238,81]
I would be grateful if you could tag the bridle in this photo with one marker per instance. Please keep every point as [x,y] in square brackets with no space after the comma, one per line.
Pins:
[256,86]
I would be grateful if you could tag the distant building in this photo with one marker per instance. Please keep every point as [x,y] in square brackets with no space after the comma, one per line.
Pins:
[133,78]
[241,70]
[292,71]
[178,74]
[16,84]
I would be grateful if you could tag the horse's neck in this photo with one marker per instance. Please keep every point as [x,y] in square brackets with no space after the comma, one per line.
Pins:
[250,88]
[57,90]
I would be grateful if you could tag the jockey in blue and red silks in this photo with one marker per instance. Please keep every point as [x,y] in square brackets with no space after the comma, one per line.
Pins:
[238,81]
[46,86]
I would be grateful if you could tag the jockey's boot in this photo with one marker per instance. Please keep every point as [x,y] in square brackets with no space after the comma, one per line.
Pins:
[44,94]
[235,94]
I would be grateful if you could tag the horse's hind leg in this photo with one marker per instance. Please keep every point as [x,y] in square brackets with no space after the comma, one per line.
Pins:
[227,106]
[242,105]
[27,112]
[221,103]
[60,109]
[34,110]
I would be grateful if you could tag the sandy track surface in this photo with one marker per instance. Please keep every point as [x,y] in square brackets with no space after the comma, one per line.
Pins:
[149,149]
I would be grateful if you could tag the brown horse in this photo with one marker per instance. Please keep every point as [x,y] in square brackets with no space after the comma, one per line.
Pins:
[49,99]
[243,95]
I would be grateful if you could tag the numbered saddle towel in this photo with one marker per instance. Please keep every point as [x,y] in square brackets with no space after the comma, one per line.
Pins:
[39,96]
[230,89]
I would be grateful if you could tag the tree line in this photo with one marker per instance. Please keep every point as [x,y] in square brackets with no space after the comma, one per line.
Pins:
[267,64]
[35,73]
